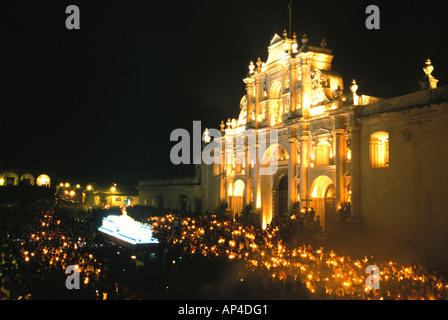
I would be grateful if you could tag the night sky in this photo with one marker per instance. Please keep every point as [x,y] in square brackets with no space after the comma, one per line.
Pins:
[98,104]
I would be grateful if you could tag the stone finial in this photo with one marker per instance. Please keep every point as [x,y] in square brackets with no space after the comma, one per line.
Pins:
[304,40]
[294,43]
[222,125]
[428,69]
[323,43]
[206,136]
[429,82]
[251,67]
[354,87]
[259,63]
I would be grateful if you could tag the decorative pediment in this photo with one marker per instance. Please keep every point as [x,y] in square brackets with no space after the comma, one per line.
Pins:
[321,133]
[275,49]
[276,39]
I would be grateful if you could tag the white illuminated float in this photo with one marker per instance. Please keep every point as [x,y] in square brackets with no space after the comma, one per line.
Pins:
[126,229]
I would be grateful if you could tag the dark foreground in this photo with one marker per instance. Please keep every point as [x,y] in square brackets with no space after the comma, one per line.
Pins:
[199,258]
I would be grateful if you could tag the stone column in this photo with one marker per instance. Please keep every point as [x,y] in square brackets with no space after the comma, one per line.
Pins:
[256,179]
[355,214]
[247,171]
[228,167]
[257,99]
[222,174]
[339,139]
[304,162]
[292,86]
[250,103]
[306,85]
[292,184]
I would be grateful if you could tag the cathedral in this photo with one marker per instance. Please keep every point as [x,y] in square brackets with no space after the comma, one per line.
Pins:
[380,160]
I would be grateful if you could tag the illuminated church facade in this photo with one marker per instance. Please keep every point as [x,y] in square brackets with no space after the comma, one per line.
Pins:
[384,158]
[296,94]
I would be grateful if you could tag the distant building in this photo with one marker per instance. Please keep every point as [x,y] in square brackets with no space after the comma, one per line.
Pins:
[15,177]
[99,195]
[180,194]
[114,196]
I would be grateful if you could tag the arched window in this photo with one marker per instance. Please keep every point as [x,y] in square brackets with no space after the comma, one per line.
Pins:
[379,149]
[238,190]
[43,180]
[27,179]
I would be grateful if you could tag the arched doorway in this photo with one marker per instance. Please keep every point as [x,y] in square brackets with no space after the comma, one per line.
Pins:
[273,167]
[10,179]
[323,199]
[280,194]
[237,199]
[43,180]
[282,199]
[27,179]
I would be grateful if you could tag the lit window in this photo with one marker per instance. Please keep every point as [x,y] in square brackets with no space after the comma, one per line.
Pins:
[379,149]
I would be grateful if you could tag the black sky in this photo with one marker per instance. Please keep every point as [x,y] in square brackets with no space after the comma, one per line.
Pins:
[99,103]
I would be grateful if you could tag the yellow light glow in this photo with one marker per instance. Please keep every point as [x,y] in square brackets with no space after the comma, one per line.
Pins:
[258,204]
[78,186]
[61,184]
[380,135]
[43,180]
[67,185]
[89,187]
[239,188]
[2,181]
[349,154]
[72,193]
[113,189]
[317,111]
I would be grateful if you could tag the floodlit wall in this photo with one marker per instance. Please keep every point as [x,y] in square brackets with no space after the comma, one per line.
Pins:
[408,197]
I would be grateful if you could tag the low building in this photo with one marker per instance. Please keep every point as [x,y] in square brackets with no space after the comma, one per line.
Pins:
[182,194]
[113,196]
[15,177]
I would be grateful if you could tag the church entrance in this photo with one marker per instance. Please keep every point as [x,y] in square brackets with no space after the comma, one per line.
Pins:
[323,199]
[237,198]
[280,196]
[283,196]
[330,200]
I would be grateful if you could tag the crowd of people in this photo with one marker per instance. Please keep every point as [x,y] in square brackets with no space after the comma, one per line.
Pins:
[36,247]
[201,257]
[323,273]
